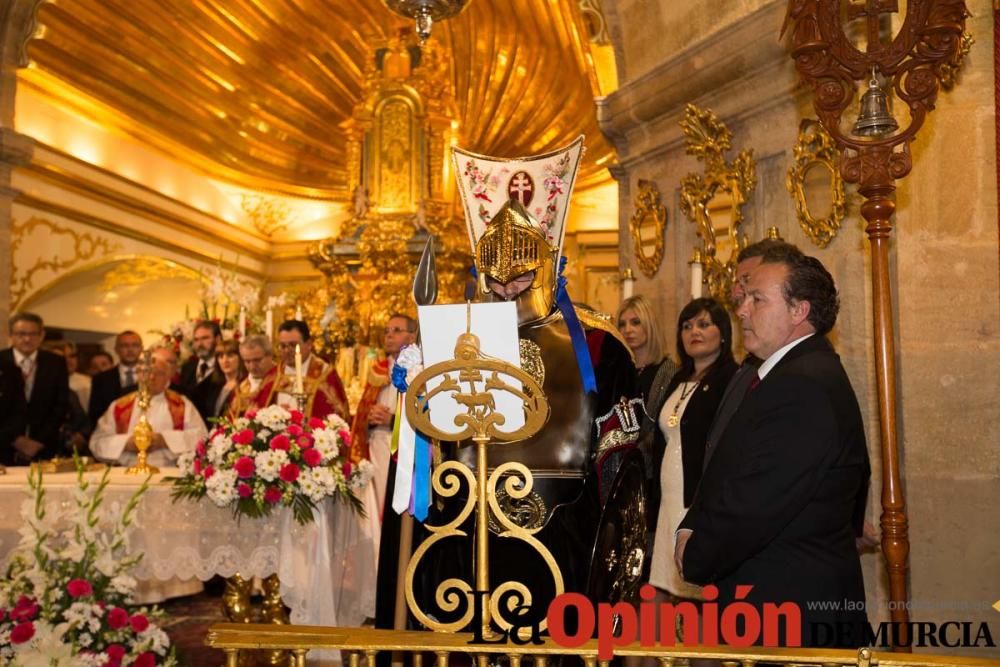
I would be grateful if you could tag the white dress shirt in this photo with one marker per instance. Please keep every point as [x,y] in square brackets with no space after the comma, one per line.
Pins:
[773,360]
[28,365]
[109,445]
[285,399]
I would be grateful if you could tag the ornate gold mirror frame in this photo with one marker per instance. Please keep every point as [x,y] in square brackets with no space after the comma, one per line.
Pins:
[815,149]
[714,200]
[648,223]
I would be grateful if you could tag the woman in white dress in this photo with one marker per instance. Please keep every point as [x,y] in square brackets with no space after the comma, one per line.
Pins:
[683,409]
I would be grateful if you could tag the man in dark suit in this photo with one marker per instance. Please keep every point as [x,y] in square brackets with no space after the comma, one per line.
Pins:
[783,497]
[117,380]
[40,398]
[201,377]
[748,260]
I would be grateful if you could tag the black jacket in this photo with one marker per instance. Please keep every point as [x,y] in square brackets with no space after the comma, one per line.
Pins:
[40,416]
[780,501]
[203,394]
[104,389]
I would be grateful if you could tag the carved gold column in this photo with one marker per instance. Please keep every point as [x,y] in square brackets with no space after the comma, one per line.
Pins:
[913,62]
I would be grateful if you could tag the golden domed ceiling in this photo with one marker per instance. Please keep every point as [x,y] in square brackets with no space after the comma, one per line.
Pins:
[254,91]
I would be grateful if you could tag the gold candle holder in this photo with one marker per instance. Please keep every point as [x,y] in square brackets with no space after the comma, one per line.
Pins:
[143,432]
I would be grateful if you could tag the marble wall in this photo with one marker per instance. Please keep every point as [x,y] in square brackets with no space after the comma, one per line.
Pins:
[726,56]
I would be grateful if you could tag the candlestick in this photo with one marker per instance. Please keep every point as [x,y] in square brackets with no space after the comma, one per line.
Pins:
[243,323]
[268,323]
[628,283]
[298,369]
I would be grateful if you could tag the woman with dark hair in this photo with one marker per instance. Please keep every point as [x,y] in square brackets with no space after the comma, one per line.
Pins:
[682,409]
[227,356]
[641,331]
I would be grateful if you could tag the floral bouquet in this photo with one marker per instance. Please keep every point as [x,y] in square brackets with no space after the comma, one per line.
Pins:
[65,599]
[274,457]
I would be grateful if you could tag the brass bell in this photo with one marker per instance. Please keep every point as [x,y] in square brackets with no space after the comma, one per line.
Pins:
[874,119]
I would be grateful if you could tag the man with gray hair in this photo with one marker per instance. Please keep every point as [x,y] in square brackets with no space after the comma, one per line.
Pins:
[256,390]
[177,427]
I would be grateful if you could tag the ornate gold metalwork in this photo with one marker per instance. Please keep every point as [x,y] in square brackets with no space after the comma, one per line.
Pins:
[85,246]
[723,188]
[135,271]
[531,360]
[481,423]
[815,149]
[597,25]
[267,215]
[948,72]
[526,512]
[237,121]
[143,432]
[511,246]
[649,217]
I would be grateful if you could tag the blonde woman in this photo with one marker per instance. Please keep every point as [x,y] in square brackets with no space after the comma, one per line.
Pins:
[642,334]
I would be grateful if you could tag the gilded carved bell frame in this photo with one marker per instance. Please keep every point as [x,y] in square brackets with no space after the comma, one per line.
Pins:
[815,149]
[649,217]
[714,200]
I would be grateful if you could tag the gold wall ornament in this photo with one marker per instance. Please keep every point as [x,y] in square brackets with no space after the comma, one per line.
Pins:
[948,71]
[816,150]
[266,214]
[86,246]
[138,270]
[469,378]
[714,200]
[648,225]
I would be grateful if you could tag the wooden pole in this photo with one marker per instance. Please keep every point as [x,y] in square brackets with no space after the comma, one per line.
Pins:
[877,211]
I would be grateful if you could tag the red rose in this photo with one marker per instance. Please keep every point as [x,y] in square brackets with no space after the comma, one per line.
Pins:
[138,623]
[22,632]
[244,437]
[295,430]
[289,472]
[315,423]
[199,449]
[347,469]
[250,414]
[244,490]
[117,618]
[196,466]
[115,652]
[147,659]
[312,457]
[305,441]
[24,610]
[296,417]
[345,435]
[280,442]
[272,495]
[245,467]
[209,471]
[78,588]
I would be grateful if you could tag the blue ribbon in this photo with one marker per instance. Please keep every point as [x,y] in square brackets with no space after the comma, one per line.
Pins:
[576,334]
[420,498]
[399,378]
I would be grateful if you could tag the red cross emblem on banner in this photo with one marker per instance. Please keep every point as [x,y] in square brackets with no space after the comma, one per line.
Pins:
[521,188]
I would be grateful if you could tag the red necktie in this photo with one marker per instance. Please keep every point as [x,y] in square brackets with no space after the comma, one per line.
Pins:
[753,383]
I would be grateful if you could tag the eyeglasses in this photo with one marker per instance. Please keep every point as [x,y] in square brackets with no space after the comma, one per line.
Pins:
[289,346]
[396,330]
[25,334]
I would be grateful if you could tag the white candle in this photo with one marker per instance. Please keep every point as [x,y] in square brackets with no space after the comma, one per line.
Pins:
[243,323]
[298,369]
[298,312]
[268,323]
[695,280]
[628,283]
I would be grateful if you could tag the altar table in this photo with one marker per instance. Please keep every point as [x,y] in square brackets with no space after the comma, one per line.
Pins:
[326,568]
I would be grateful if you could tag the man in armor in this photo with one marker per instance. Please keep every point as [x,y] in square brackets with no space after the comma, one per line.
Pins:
[579,359]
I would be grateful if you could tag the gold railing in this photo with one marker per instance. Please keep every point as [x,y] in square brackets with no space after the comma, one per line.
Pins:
[360,646]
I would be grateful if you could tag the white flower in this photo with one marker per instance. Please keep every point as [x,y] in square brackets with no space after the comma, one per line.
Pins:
[273,417]
[412,359]
[221,487]
[269,463]
[185,462]
[317,483]
[327,443]
[218,448]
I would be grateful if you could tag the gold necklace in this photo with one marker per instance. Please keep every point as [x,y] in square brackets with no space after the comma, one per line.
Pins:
[674,419]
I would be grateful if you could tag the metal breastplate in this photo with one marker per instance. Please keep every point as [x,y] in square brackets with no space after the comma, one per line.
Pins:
[558,455]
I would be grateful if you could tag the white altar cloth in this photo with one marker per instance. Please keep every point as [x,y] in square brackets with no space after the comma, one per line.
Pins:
[326,568]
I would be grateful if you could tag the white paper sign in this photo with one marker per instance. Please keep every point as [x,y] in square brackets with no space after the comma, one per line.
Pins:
[496,326]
